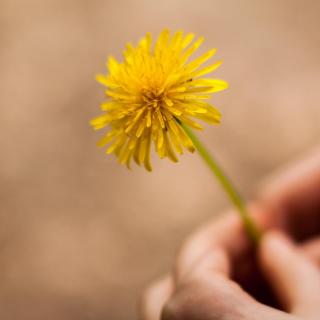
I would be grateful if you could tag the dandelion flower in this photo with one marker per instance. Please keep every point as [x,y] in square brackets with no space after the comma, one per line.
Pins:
[152,94]
[156,97]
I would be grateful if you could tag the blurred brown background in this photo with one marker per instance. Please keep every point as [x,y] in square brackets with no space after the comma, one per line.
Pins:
[80,236]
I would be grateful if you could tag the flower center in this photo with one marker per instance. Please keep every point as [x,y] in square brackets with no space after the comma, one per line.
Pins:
[152,98]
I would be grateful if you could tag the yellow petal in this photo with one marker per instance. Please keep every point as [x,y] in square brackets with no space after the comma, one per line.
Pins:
[199,61]
[147,161]
[170,152]
[206,70]
[192,49]
[187,40]
[107,138]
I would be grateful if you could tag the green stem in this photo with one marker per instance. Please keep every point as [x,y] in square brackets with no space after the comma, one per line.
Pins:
[227,185]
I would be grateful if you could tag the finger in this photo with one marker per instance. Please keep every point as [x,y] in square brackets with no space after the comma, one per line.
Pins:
[311,249]
[202,242]
[214,262]
[154,299]
[158,294]
[225,232]
[294,197]
[295,279]
[205,292]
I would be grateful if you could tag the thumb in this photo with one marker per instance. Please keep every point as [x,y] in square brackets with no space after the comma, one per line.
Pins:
[295,279]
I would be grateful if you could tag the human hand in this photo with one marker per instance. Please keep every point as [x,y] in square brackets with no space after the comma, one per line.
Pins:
[219,256]
[206,292]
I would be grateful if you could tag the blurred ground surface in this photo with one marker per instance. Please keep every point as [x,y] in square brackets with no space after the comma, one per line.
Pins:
[81,236]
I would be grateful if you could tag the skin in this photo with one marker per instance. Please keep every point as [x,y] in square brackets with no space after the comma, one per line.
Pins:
[219,275]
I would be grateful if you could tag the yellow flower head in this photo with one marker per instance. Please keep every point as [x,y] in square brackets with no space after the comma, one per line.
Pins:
[150,95]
